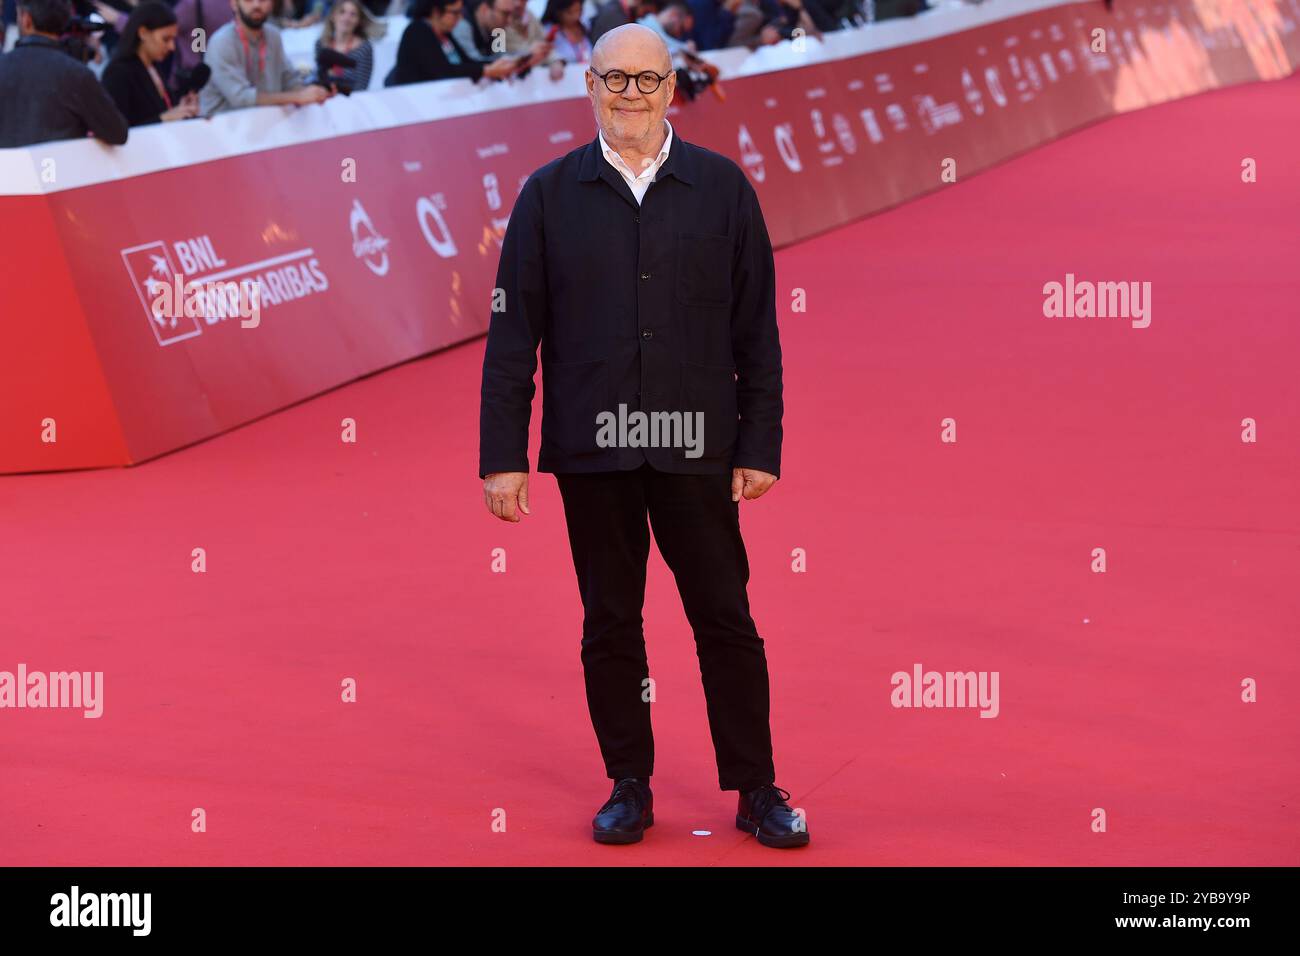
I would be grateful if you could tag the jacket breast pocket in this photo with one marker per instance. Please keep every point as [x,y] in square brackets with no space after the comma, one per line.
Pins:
[703,269]
[573,394]
[709,395]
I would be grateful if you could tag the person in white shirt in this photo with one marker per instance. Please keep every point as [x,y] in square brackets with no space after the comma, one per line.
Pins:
[638,182]
[664,303]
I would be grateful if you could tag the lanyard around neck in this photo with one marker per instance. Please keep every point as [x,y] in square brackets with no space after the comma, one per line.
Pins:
[261,60]
[159,85]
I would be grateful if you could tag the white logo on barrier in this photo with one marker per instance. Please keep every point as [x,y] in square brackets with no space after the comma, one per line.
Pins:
[974,98]
[1031,72]
[1097,62]
[367,244]
[784,136]
[492,193]
[871,125]
[150,268]
[750,158]
[428,210]
[1021,81]
[174,300]
[844,132]
[935,116]
[994,83]
[825,144]
[1049,67]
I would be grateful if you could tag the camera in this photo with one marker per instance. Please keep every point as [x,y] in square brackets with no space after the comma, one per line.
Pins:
[75,40]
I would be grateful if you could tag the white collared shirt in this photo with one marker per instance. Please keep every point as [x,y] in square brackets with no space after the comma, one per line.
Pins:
[638,184]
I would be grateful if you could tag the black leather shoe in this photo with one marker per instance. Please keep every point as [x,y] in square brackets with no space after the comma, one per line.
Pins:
[765,813]
[626,814]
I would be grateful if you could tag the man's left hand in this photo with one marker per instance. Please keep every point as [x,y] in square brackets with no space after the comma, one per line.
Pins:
[750,483]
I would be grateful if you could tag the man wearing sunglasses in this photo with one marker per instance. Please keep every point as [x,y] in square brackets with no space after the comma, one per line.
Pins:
[640,265]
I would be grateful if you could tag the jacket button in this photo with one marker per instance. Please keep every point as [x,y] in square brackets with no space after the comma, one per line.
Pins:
[645,275]
[636,218]
[647,334]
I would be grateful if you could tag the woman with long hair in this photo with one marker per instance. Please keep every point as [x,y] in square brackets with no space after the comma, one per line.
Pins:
[131,77]
[349,28]
[563,20]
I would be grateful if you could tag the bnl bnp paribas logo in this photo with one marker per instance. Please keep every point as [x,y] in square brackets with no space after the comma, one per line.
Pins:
[190,284]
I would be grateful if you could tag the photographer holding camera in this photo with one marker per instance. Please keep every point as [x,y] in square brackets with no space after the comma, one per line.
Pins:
[47,94]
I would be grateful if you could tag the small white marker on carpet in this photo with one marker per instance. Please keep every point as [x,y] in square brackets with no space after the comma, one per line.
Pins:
[701,833]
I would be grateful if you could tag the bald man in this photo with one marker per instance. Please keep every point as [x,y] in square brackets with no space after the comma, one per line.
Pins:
[640,265]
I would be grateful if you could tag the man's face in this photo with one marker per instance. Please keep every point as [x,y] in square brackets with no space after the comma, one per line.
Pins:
[631,116]
[502,11]
[253,13]
[674,23]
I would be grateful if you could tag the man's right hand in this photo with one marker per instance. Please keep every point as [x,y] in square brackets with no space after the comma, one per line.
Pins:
[506,494]
[185,109]
[500,68]
[539,51]
[306,95]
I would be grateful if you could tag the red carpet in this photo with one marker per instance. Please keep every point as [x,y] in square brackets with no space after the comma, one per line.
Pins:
[1118,691]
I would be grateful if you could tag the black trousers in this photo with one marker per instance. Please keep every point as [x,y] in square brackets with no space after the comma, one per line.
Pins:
[697,528]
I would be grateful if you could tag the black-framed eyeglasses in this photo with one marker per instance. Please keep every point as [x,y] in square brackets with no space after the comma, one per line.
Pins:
[616,80]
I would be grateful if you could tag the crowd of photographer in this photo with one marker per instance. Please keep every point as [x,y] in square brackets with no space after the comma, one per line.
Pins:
[168,61]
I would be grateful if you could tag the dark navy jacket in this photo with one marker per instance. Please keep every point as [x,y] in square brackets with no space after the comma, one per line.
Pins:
[47,95]
[667,306]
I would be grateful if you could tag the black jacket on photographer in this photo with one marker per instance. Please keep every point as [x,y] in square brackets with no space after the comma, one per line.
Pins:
[421,58]
[668,306]
[47,95]
[128,82]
